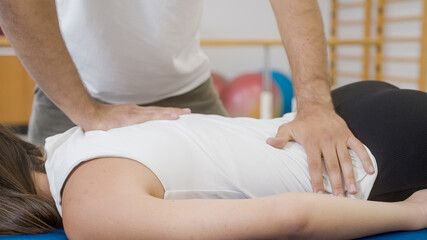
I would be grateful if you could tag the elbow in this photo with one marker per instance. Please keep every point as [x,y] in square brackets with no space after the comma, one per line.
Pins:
[293,218]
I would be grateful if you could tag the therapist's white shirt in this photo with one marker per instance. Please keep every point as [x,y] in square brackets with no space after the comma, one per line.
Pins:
[135,51]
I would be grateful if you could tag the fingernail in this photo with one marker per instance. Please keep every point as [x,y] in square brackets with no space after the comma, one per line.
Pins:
[340,195]
[174,116]
[371,169]
[320,192]
[187,110]
[352,188]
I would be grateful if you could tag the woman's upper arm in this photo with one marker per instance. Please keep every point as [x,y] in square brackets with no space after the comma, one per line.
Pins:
[147,217]
[105,201]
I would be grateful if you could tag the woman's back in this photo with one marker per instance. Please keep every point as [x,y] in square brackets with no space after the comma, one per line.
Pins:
[198,156]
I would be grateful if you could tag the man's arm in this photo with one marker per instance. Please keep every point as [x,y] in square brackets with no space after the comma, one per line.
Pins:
[317,127]
[33,30]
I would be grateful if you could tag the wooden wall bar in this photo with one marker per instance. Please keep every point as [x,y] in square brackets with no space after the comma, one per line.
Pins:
[16,92]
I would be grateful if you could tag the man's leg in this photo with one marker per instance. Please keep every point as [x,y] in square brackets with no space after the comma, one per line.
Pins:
[203,99]
[46,119]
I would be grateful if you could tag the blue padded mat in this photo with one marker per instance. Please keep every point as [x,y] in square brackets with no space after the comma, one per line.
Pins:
[60,235]
[414,235]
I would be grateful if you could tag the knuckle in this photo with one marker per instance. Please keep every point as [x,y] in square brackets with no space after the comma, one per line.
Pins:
[337,187]
[355,140]
[346,167]
[314,165]
[312,144]
[345,159]
[328,138]
[318,182]
[333,166]
[347,171]
[349,178]
[280,140]
[317,185]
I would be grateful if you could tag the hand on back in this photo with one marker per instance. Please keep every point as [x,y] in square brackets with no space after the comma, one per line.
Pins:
[106,116]
[325,136]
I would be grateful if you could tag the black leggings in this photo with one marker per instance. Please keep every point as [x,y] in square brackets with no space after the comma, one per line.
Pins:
[392,123]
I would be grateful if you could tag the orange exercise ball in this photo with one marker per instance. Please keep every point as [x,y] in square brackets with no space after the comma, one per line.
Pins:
[241,97]
[219,82]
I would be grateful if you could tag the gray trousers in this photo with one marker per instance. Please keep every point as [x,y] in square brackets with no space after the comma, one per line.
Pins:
[47,119]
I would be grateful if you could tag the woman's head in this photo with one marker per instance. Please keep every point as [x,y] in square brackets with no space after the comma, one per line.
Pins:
[22,210]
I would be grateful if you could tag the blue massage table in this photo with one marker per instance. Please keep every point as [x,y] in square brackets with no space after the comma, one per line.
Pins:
[60,235]
[414,235]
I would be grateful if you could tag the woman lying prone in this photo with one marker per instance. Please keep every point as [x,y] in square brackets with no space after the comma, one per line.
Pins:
[211,177]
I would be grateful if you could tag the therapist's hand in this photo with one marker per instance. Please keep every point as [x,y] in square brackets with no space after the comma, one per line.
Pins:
[106,116]
[323,133]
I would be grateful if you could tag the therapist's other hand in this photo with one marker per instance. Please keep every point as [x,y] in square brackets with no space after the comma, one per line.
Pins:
[322,133]
[106,116]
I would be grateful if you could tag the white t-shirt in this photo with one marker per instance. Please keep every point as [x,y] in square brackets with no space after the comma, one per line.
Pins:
[135,51]
[198,156]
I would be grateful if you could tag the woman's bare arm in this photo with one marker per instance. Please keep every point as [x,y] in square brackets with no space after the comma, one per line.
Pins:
[112,198]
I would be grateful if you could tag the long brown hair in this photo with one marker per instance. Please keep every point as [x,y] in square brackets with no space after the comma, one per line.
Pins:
[22,211]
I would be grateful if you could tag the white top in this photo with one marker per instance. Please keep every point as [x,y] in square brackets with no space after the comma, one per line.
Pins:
[198,156]
[135,51]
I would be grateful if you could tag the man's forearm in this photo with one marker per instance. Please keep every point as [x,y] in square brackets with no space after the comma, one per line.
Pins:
[301,28]
[33,30]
